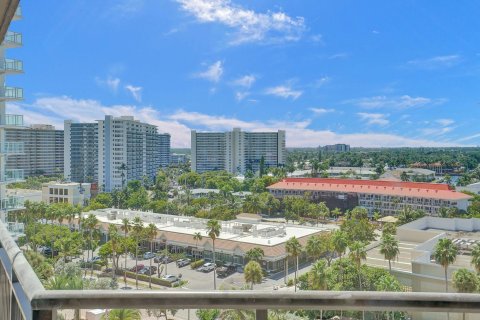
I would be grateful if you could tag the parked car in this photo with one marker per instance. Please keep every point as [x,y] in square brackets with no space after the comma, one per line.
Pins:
[158,259]
[94,259]
[137,268]
[226,270]
[183,262]
[207,267]
[167,259]
[148,255]
[47,251]
[148,271]
[170,278]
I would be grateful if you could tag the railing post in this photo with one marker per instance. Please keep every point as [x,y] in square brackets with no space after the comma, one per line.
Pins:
[261,314]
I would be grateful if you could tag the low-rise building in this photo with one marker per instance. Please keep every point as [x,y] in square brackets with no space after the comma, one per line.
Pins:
[387,197]
[236,237]
[70,192]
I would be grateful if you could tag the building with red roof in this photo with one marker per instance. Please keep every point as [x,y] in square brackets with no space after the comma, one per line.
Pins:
[388,197]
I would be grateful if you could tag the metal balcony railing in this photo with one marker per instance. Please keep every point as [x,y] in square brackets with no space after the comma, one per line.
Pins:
[12,203]
[11,93]
[18,13]
[12,120]
[12,148]
[13,39]
[13,175]
[11,66]
[22,296]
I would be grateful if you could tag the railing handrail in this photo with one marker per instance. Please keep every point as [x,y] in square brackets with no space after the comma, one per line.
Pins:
[40,299]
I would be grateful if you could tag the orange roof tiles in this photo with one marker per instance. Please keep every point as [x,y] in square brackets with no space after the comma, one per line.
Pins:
[377,187]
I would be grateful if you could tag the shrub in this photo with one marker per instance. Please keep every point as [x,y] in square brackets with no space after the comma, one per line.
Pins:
[197,264]
[145,278]
[290,283]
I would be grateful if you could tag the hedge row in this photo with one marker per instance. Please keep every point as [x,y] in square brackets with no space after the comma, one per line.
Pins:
[197,264]
[143,277]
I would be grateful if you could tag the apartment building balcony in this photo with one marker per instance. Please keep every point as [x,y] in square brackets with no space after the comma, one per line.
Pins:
[11,148]
[11,93]
[12,203]
[13,175]
[13,40]
[18,14]
[12,120]
[11,66]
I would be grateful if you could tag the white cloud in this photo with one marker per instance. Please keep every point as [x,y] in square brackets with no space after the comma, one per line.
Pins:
[249,26]
[135,91]
[436,62]
[246,81]
[374,118]
[213,73]
[111,82]
[54,110]
[241,95]
[321,111]
[321,82]
[445,122]
[473,136]
[284,91]
[318,38]
[340,55]
[436,131]
[401,102]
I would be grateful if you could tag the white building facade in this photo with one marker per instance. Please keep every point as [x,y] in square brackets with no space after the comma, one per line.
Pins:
[114,151]
[71,192]
[237,151]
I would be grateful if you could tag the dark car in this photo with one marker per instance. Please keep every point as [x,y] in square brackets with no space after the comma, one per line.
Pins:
[226,270]
[137,268]
[183,262]
[47,251]
[167,259]
[158,259]
[148,271]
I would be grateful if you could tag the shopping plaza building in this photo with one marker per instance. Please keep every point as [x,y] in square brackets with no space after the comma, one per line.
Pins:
[235,239]
[387,197]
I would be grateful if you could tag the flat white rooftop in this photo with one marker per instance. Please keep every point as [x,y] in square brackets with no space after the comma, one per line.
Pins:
[263,233]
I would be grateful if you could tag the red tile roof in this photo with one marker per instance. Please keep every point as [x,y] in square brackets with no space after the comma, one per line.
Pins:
[379,187]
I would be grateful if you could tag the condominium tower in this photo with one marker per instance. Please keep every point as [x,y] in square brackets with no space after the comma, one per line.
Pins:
[7,147]
[114,151]
[43,150]
[237,151]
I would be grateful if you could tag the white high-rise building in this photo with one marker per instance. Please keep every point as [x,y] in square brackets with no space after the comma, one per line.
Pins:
[9,148]
[237,151]
[114,151]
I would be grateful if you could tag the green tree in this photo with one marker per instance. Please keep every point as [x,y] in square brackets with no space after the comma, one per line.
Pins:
[445,254]
[340,242]
[197,236]
[475,260]
[122,314]
[253,273]
[138,235]
[294,249]
[208,314]
[389,228]
[357,254]
[389,249]
[314,247]
[90,224]
[213,231]
[465,281]
[151,234]
[255,254]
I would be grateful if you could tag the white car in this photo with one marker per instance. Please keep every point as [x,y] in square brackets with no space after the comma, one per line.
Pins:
[170,278]
[207,267]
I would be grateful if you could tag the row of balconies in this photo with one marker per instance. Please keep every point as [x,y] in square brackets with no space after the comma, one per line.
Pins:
[12,175]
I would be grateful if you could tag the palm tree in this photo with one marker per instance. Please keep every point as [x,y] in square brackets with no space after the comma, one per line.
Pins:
[253,273]
[115,244]
[122,314]
[357,254]
[319,275]
[475,261]
[255,254]
[213,231]
[445,254]
[388,283]
[197,236]
[151,233]
[125,228]
[314,247]
[340,242]
[90,223]
[389,249]
[137,234]
[294,249]
[123,168]
[465,281]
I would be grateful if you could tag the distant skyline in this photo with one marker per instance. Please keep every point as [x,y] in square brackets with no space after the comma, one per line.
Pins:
[370,74]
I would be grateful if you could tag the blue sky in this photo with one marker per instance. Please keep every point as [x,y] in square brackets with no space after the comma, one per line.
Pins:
[367,73]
